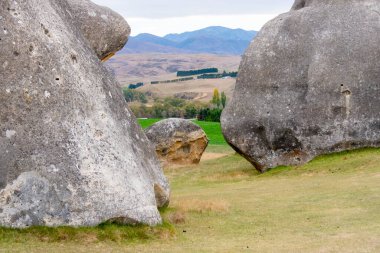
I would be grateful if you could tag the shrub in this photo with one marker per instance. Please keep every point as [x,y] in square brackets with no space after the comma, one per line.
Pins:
[135,86]
[132,95]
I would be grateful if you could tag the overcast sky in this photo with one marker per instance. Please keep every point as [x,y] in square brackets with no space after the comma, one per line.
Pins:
[161,17]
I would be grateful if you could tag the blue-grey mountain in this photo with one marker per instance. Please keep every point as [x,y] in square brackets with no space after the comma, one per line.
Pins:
[213,40]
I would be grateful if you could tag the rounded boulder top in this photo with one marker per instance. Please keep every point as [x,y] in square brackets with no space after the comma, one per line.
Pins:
[105,30]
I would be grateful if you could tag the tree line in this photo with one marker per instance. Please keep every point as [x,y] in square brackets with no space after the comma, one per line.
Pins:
[197,72]
[173,81]
[172,107]
[210,74]
[169,107]
[215,76]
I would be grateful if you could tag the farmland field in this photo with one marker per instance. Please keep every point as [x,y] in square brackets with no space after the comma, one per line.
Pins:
[132,68]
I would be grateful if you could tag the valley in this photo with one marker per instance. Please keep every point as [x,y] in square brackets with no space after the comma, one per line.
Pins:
[148,58]
[135,68]
[182,142]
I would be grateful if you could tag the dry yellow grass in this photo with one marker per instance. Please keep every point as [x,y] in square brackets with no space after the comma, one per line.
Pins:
[203,87]
[233,175]
[200,206]
[132,68]
[177,217]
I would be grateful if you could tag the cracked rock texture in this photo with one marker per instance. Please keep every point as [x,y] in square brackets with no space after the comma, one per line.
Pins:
[178,141]
[309,84]
[71,152]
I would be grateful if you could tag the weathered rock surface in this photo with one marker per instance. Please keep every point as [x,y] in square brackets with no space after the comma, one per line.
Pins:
[309,84]
[106,31]
[178,141]
[71,152]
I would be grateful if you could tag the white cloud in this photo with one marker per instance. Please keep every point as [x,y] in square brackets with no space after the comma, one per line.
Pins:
[164,26]
[161,17]
[179,8]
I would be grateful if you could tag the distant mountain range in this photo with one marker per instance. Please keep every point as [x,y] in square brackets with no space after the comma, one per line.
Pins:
[212,40]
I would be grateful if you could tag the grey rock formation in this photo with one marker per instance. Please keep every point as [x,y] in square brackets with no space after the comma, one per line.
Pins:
[106,31]
[309,84]
[71,152]
[178,141]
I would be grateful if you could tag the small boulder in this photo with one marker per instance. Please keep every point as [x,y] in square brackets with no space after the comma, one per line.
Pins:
[178,141]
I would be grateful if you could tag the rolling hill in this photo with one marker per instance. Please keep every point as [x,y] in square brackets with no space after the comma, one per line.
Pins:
[210,40]
[133,68]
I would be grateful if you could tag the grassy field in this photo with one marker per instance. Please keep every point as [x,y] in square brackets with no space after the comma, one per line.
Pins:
[212,129]
[331,204]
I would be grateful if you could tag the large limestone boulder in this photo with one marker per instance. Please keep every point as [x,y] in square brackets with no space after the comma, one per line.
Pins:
[71,152]
[178,141]
[309,84]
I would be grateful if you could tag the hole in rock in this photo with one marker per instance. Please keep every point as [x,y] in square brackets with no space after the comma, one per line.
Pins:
[74,58]
[165,151]
[46,31]
[186,149]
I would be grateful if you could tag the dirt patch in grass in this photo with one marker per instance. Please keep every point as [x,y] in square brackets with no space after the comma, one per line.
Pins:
[212,156]
[177,217]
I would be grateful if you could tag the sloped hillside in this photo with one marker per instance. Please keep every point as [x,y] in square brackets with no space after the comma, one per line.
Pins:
[211,40]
